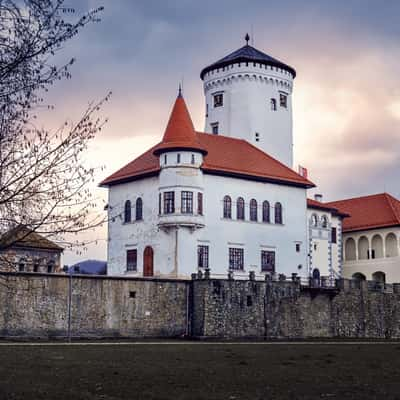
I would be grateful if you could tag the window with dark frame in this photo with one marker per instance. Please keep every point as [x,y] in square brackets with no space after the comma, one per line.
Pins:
[236,258]
[186,202]
[273,104]
[192,159]
[178,158]
[202,256]
[139,209]
[36,267]
[278,213]
[131,260]
[297,247]
[218,100]
[268,261]
[169,202]
[334,235]
[266,212]
[200,203]
[240,208]
[50,268]
[21,266]
[159,204]
[283,100]
[253,210]
[214,128]
[227,207]
[127,211]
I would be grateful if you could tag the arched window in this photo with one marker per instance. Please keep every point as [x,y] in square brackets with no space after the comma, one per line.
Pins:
[324,221]
[391,245]
[227,207]
[240,208]
[379,276]
[377,247]
[278,213]
[363,248]
[266,213]
[127,214]
[21,265]
[50,267]
[139,209]
[253,210]
[358,276]
[350,249]
[314,220]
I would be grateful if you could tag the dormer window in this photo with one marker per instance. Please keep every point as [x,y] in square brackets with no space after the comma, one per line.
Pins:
[218,100]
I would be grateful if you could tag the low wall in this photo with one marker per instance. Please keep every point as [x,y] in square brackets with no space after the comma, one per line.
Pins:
[37,305]
[51,306]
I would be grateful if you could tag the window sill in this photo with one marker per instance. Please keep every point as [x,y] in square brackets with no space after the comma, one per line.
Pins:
[250,222]
[133,222]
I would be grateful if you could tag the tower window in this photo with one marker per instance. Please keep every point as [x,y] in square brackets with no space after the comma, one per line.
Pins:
[169,202]
[200,203]
[273,104]
[178,158]
[218,100]
[214,128]
[186,202]
[193,159]
[165,159]
[257,137]
[283,100]
[334,235]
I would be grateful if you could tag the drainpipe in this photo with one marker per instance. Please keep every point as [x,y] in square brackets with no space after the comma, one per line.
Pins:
[69,304]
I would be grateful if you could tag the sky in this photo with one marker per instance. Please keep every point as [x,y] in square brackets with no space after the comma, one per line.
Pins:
[346,96]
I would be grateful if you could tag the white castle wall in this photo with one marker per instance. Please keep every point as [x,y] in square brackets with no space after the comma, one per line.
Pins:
[246,111]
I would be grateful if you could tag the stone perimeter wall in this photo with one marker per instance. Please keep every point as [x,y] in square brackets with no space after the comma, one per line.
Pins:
[37,306]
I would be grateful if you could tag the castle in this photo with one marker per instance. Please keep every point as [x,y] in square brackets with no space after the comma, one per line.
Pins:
[228,199]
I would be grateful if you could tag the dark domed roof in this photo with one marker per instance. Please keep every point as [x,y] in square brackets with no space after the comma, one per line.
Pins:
[248,53]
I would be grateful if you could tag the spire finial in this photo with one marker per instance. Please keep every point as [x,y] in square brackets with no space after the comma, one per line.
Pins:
[180,90]
[247,38]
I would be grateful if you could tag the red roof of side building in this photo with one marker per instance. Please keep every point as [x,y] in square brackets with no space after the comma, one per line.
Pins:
[369,212]
[324,207]
[222,155]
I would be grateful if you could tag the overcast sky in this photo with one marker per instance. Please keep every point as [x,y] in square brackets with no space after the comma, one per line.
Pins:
[346,94]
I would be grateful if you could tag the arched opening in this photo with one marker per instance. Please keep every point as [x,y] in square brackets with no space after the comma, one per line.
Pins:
[266,213]
[227,207]
[350,249]
[358,276]
[148,258]
[139,209]
[377,247]
[379,276]
[50,267]
[278,213]
[240,208]
[127,212]
[392,249]
[316,277]
[363,248]
[253,210]
[314,220]
[324,221]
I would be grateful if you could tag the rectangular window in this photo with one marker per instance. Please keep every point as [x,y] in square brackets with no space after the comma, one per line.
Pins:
[178,158]
[200,203]
[298,247]
[334,235]
[186,202]
[267,261]
[159,204]
[202,256]
[283,100]
[273,104]
[169,202]
[236,258]
[218,100]
[131,260]
[214,128]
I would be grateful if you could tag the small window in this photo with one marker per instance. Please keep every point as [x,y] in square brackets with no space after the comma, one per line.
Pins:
[273,104]
[236,258]
[283,100]
[186,202]
[159,203]
[227,207]
[240,208]
[193,159]
[200,203]
[257,137]
[314,220]
[267,261]
[165,159]
[131,260]
[266,212]
[169,202]
[206,110]
[297,247]
[324,221]
[132,295]
[218,100]
[278,213]
[253,210]
[127,212]
[139,209]
[202,256]
[178,158]
[35,267]
[315,246]
[50,268]
[334,235]
[21,266]
[214,128]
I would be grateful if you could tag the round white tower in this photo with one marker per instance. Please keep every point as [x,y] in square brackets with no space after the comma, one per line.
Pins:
[248,96]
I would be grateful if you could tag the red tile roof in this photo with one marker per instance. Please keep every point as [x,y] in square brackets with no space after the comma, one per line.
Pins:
[324,207]
[222,155]
[369,212]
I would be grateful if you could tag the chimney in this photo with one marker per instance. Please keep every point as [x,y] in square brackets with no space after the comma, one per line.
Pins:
[318,197]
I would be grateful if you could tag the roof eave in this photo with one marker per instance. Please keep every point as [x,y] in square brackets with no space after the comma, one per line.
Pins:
[107,183]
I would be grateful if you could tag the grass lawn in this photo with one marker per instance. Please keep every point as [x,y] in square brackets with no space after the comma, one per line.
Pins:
[201,371]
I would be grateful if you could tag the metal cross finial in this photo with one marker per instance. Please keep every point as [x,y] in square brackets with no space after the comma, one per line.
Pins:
[180,91]
[247,38]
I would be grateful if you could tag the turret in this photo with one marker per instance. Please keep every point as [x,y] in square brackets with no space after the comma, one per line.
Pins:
[181,189]
[249,96]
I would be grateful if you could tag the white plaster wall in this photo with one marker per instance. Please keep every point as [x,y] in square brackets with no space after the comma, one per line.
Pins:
[247,93]
[389,265]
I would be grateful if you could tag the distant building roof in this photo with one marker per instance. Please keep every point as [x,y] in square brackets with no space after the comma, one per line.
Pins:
[22,236]
[95,267]
[317,205]
[369,212]
[223,156]
[247,53]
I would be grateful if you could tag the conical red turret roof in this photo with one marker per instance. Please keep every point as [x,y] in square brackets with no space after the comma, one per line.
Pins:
[180,133]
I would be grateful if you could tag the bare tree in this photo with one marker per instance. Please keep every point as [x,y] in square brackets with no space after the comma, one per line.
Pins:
[43,178]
